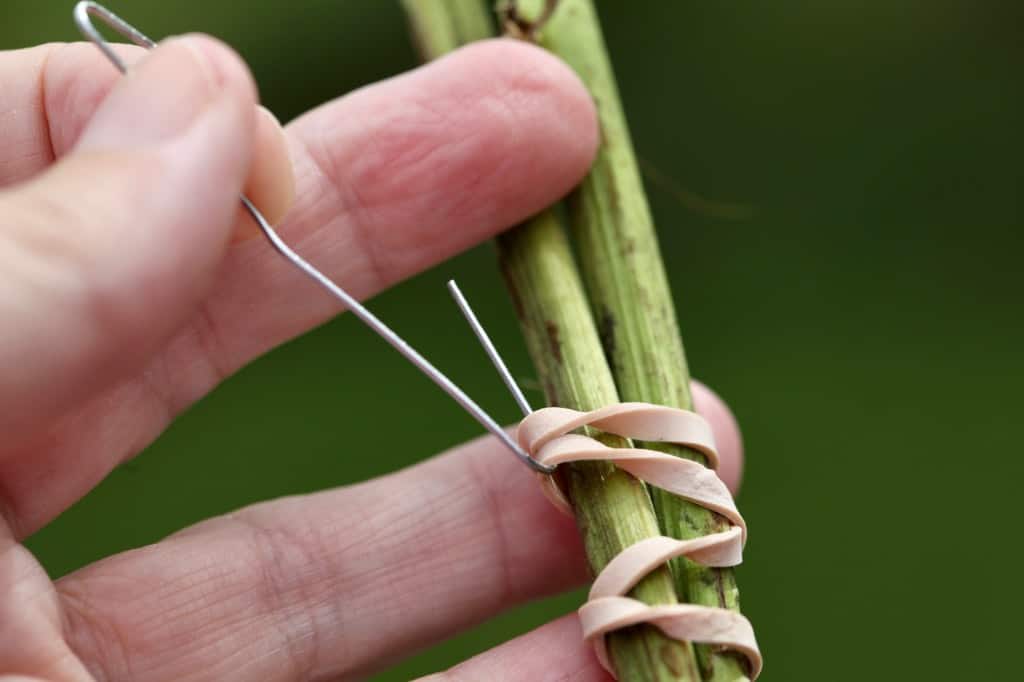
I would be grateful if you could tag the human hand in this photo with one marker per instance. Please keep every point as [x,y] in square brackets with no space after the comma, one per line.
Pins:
[127,298]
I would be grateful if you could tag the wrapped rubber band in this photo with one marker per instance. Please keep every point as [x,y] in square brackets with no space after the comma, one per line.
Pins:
[546,435]
[544,441]
[687,622]
[642,421]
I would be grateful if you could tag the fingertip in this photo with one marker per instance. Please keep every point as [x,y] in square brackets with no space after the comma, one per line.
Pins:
[546,92]
[120,241]
[165,94]
[271,182]
[431,162]
[727,433]
[223,65]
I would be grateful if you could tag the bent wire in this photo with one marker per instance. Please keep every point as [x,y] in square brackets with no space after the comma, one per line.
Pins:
[83,13]
[544,440]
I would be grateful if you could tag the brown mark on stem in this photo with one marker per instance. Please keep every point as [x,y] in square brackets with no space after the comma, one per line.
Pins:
[611,190]
[670,657]
[720,587]
[606,330]
[551,392]
[518,26]
[554,342]
[517,301]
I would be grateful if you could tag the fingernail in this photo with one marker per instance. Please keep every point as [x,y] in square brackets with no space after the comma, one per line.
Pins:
[271,182]
[161,97]
[275,153]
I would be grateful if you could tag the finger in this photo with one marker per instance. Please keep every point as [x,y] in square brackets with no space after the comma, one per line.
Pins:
[49,94]
[102,256]
[727,433]
[401,175]
[271,182]
[552,653]
[328,585]
[331,584]
[31,633]
[390,180]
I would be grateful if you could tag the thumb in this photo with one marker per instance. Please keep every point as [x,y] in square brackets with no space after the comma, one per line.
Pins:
[107,253]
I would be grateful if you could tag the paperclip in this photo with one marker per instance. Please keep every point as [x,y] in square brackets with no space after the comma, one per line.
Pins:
[83,13]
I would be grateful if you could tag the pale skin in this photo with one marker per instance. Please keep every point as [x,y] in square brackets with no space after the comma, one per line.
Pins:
[133,286]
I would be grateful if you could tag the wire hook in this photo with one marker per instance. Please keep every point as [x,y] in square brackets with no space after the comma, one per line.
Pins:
[495,357]
[492,352]
[83,13]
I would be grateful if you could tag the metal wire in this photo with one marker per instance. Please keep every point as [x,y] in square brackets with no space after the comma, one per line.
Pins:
[492,352]
[83,13]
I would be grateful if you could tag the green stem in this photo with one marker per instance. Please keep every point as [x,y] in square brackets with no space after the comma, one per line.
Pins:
[440,26]
[613,509]
[632,302]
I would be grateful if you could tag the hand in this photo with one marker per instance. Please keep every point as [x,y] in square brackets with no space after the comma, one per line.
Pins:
[129,293]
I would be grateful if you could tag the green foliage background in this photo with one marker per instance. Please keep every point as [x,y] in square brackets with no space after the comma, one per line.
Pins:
[864,321]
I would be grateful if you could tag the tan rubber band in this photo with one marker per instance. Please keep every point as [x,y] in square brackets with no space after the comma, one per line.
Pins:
[545,434]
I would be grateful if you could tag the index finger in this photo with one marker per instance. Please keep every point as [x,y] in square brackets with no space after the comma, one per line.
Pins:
[390,180]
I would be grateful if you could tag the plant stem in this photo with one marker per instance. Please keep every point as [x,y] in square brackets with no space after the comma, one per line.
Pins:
[613,509]
[440,26]
[632,302]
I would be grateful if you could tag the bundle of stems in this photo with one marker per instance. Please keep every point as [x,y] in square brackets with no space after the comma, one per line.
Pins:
[632,353]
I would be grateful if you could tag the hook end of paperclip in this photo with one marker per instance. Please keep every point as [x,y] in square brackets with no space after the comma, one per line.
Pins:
[536,466]
[83,13]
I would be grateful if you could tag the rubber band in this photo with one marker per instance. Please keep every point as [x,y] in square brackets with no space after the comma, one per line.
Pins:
[546,435]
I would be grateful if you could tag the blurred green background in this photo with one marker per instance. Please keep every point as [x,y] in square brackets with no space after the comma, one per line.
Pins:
[864,320]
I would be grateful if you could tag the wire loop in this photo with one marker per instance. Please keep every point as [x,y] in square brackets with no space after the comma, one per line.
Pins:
[83,13]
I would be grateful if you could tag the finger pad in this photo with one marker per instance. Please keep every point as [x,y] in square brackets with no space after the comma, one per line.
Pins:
[453,152]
